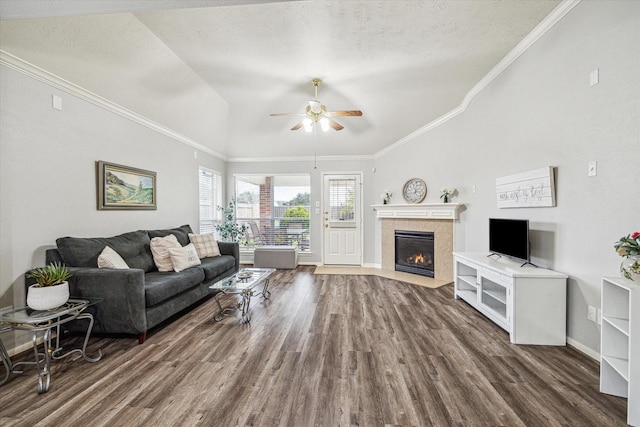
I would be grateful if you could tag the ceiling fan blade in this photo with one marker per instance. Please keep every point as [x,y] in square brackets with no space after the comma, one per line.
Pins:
[343,113]
[297,126]
[288,114]
[335,125]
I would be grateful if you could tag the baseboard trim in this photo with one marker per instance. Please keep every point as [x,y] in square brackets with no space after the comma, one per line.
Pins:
[583,349]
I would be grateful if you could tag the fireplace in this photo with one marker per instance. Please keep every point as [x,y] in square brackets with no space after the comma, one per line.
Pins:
[414,252]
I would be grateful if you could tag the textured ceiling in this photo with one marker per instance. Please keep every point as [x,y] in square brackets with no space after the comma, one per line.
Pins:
[214,74]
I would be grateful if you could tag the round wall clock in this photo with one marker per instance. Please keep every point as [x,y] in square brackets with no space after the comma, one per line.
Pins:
[414,190]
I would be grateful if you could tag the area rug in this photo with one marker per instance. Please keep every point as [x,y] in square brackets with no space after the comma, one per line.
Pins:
[370,271]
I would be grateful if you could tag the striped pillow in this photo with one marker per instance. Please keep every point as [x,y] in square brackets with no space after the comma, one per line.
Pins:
[205,244]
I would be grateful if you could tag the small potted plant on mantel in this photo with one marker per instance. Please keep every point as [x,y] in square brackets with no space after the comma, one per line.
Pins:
[51,289]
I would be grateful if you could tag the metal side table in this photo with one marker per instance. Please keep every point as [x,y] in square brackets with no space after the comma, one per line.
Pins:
[26,319]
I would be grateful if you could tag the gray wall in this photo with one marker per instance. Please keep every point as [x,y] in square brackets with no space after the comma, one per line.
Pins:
[542,112]
[48,178]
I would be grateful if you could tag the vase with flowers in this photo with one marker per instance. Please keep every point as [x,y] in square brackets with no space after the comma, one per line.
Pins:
[447,193]
[386,197]
[629,248]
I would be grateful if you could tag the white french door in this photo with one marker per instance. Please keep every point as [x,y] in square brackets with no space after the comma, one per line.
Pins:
[342,219]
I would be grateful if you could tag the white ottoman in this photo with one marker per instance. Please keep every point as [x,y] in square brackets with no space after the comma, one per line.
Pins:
[285,257]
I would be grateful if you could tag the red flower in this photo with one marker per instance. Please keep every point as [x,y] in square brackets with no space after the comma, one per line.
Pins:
[635,235]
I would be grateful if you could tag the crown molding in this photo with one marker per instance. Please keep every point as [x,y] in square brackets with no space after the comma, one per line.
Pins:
[545,25]
[59,83]
[300,159]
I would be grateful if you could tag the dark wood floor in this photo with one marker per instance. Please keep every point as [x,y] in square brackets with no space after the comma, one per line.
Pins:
[325,350]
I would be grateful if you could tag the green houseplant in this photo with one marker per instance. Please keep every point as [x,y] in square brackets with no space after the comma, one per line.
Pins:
[230,230]
[51,289]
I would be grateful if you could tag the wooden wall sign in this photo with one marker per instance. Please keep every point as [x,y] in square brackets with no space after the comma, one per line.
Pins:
[535,188]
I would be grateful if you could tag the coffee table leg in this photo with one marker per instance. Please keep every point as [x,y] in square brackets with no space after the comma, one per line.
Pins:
[220,314]
[266,293]
[246,306]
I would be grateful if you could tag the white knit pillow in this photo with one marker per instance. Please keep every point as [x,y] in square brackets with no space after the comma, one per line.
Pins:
[184,257]
[205,244]
[159,249]
[109,258]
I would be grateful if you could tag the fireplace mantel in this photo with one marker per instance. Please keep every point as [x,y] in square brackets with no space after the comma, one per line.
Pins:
[419,211]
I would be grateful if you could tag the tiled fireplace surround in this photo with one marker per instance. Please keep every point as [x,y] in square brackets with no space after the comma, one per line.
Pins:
[419,218]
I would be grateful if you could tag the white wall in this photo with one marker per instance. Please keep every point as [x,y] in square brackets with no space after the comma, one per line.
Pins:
[48,176]
[542,112]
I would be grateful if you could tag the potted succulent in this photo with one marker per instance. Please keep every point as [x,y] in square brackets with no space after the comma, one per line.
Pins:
[51,289]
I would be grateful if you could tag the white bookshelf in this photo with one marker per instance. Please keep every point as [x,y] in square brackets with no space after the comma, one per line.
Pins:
[620,343]
[526,301]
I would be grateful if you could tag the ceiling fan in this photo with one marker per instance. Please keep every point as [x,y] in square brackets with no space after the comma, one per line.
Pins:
[317,113]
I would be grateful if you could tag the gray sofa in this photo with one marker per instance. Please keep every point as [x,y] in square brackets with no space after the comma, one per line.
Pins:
[135,300]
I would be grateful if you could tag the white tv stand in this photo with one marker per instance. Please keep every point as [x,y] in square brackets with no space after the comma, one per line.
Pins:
[530,303]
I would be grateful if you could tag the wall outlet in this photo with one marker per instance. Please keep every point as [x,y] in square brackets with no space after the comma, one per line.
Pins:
[592,313]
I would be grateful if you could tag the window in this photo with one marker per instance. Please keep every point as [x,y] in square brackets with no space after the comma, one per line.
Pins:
[210,198]
[342,194]
[275,208]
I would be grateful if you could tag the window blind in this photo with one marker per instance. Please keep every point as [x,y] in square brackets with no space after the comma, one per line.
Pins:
[210,198]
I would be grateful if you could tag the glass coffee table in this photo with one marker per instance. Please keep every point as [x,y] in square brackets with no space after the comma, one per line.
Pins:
[34,321]
[244,283]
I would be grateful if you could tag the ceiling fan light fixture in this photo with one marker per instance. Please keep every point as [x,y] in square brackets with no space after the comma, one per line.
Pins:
[324,124]
[315,106]
[316,112]
[308,124]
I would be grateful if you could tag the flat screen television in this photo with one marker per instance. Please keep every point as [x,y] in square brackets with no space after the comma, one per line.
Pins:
[509,237]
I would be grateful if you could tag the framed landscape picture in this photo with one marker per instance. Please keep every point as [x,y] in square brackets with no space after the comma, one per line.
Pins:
[124,187]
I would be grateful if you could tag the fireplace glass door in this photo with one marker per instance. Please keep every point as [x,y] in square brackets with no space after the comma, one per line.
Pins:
[414,252]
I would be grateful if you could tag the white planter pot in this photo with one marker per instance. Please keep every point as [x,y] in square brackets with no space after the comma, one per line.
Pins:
[48,297]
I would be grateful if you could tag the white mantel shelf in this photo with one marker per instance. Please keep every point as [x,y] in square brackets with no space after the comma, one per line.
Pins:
[419,211]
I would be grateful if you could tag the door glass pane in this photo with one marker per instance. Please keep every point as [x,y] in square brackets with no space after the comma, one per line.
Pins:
[342,194]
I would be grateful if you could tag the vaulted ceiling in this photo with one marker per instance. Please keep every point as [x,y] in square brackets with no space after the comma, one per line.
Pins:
[213,71]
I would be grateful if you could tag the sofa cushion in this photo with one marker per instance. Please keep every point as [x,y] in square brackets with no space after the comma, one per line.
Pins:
[181,233]
[109,258]
[161,286]
[213,267]
[160,249]
[133,247]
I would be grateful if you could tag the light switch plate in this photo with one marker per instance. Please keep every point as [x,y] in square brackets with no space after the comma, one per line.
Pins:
[594,77]
[56,102]
[593,168]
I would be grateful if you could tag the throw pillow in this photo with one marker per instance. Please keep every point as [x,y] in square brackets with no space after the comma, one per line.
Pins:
[160,249]
[205,244]
[109,258]
[184,257]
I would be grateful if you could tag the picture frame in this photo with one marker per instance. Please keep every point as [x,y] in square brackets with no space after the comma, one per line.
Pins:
[122,187]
